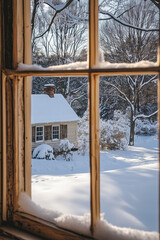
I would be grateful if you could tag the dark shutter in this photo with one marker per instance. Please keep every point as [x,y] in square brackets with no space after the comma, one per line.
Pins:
[63,131]
[47,132]
[33,134]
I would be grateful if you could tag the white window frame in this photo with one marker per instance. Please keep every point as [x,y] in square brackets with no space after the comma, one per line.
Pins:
[21,79]
[36,136]
[56,139]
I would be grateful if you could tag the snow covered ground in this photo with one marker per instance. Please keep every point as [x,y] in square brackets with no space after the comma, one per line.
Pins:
[129,185]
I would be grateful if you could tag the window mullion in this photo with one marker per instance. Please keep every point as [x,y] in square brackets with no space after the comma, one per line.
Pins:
[27,96]
[4,164]
[94,113]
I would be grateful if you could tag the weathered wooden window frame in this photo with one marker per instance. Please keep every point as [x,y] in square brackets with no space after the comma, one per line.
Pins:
[21,115]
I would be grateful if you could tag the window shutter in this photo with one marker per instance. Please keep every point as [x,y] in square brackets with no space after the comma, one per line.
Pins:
[47,132]
[33,134]
[63,131]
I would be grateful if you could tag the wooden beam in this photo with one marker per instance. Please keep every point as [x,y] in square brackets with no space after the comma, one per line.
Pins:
[94,149]
[17,32]
[4,163]
[15,142]
[27,97]
[45,229]
[85,72]
[94,113]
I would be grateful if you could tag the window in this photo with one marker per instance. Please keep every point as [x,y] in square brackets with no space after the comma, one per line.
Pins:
[16,90]
[39,134]
[55,132]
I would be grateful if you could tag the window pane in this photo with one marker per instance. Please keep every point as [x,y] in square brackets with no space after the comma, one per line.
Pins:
[55,132]
[60,166]
[39,134]
[59,32]
[129,151]
[123,31]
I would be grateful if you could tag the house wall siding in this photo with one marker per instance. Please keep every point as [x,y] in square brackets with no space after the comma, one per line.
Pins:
[71,134]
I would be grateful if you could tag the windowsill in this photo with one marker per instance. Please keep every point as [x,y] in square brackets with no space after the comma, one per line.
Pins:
[55,140]
[43,228]
[142,67]
[13,233]
[39,141]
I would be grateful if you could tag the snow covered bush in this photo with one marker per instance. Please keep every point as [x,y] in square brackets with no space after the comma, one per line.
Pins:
[145,127]
[43,151]
[65,146]
[64,149]
[83,134]
[113,133]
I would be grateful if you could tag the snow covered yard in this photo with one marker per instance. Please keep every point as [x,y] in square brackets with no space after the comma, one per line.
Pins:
[129,185]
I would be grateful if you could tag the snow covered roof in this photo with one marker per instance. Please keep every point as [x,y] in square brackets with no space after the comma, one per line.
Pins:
[51,110]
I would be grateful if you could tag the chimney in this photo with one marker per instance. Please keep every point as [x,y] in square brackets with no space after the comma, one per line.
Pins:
[49,90]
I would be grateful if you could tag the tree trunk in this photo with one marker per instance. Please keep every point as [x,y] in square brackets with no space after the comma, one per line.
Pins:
[132,126]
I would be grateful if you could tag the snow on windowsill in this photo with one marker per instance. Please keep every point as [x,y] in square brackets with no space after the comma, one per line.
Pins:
[70,66]
[84,65]
[141,64]
[55,139]
[81,224]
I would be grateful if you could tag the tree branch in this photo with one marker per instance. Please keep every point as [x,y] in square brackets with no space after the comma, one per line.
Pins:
[35,4]
[127,24]
[58,9]
[156,2]
[131,105]
[145,116]
[76,99]
[150,80]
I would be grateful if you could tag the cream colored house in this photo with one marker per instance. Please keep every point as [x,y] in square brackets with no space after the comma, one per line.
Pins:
[52,119]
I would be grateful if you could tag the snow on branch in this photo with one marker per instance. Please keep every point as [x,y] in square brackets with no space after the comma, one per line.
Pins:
[122,93]
[80,88]
[131,87]
[77,18]
[145,116]
[76,99]
[58,8]
[127,24]
[150,80]
[156,2]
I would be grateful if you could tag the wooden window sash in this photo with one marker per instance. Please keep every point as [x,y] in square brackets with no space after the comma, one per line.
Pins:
[94,115]
[93,74]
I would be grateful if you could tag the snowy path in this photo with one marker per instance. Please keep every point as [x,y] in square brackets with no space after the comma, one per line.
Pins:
[129,185]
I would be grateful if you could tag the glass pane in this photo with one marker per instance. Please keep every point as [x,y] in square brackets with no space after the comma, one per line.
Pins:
[129,151]
[128,31]
[59,32]
[60,164]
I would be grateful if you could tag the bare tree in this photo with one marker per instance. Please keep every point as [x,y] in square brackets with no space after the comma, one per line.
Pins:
[127,44]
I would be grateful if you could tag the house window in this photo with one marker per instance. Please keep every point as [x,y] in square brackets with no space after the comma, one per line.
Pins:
[39,134]
[16,110]
[55,132]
